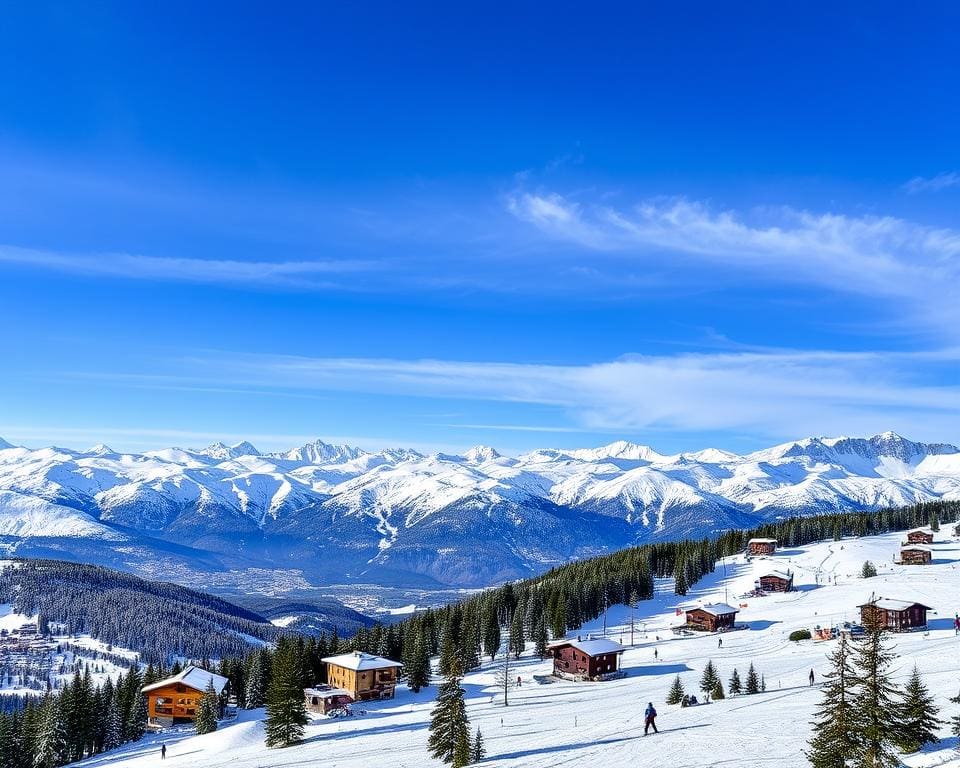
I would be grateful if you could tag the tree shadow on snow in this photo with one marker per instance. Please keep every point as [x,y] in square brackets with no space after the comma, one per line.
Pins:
[761,624]
[657,669]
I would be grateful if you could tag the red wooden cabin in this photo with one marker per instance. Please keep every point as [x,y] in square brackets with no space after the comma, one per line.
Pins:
[592,659]
[896,615]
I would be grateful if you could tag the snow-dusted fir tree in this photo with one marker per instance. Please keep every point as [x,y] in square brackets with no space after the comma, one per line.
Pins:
[918,718]
[735,687]
[540,638]
[718,693]
[449,740]
[836,725]
[478,749]
[709,679]
[675,695]
[256,682]
[286,711]
[137,724]
[50,747]
[955,721]
[113,731]
[208,710]
[877,700]
[417,665]
[868,571]
[753,680]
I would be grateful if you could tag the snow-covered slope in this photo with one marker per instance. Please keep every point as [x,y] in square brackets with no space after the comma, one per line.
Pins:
[552,723]
[470,520]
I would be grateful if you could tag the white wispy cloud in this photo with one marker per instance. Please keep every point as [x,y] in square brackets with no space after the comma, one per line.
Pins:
[775,393]
[936,183]
[304,274]
[874,256]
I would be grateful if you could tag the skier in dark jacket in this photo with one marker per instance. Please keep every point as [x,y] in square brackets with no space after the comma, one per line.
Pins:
[650,719]
[811,677]
[163,751]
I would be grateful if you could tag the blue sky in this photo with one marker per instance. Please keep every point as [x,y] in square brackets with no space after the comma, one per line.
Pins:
[513,224]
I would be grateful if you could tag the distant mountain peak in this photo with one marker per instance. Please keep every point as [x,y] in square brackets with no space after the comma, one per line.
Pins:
[100,449]
[5,444]
[619,449]
[319,452]
[221,451]
[481,453]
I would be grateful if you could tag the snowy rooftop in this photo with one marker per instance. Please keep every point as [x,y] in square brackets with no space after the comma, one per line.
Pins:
[926,531]
[359,661]
[193,677]
[889,604]
[325,693]
[715,609]
[762,541]
[916,547]
[777,574]
[592,646]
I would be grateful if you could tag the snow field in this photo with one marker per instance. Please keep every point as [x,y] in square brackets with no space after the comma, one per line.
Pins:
[559,723]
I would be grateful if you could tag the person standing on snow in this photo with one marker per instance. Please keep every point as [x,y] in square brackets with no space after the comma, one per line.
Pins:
[811,677]
[163,751]
[650,719]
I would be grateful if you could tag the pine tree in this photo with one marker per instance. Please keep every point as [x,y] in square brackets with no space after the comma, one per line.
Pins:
[675,695]
[540,637]
[137,724]
[113,732]
[877,700]
[208,710]
[918,719]
[717,691]
[955,721]
[753,680]
[256,682]
[449,739]
[837,723]
[709,680]
[418,675]
[736,687]
[286,711]
[51,742]
[868,571]
[478,750]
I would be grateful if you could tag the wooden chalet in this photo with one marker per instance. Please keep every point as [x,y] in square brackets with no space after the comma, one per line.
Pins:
[176,699]
[776,581]
[363,675]
[920,536]
[711,618]
[956,530]
[324,698]
[590,659]
[896,615]
[761,546]
[915,554]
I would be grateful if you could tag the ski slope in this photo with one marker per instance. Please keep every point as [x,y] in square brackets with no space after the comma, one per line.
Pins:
[559,723]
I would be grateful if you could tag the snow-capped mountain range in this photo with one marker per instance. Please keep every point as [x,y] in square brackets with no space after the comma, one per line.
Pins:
[336,512]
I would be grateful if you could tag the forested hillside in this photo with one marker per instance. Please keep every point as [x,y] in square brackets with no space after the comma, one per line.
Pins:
[156,619]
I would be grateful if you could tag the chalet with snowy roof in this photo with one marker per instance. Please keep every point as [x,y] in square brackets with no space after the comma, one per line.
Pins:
[325,698]
[589,659]
[776,581]
[915,554]
[956,530]
[895,615]
[713,617]
[363,675]
[920,536]
[176,699]
[761,546]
